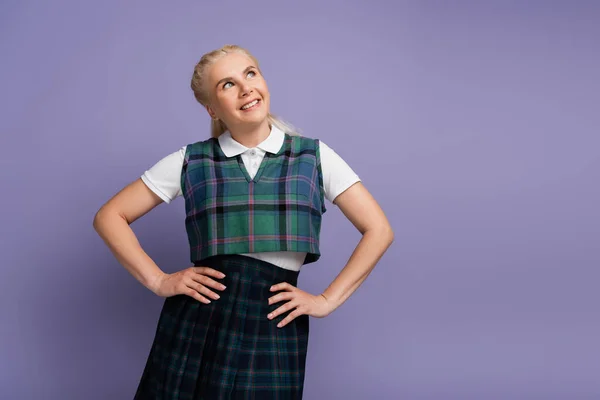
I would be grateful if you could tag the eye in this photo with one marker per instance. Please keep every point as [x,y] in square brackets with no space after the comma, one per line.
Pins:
[251,72]
[227,83]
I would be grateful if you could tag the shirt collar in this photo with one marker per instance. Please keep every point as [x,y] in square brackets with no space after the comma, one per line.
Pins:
[272,143]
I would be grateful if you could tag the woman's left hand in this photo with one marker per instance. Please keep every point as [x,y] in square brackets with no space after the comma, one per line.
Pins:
[303,302]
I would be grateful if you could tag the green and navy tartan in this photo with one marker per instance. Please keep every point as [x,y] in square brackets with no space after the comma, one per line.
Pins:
[227,212]
[228,349]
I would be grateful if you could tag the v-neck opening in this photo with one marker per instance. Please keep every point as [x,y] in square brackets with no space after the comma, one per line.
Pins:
[258,174]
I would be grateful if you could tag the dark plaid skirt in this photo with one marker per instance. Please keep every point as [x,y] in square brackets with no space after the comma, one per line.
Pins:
[228,349]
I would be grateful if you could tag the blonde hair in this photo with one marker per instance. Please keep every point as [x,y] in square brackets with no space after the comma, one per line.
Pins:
[198,85]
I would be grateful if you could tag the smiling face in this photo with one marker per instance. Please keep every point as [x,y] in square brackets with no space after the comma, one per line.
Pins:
[238,93]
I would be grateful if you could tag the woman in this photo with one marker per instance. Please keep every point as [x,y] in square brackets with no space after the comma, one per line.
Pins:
[235,326]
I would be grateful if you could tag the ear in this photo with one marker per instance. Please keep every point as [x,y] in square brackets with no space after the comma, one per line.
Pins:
[211,112]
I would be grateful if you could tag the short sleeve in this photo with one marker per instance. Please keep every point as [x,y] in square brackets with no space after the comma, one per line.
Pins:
[164,177]
[337,174]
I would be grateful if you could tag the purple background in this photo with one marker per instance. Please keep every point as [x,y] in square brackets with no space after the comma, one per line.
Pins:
[474,124]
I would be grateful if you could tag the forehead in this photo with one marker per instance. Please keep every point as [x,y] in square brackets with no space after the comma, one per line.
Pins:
[231,65]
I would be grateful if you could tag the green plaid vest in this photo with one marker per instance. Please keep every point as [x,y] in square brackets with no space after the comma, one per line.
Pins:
[227,212]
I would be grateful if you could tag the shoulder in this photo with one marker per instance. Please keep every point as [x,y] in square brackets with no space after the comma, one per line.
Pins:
[329,155]
[200,143]
[310,142]
[302,142]
[201,146]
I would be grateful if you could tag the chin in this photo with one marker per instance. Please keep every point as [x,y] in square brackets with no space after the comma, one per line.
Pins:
[254,118]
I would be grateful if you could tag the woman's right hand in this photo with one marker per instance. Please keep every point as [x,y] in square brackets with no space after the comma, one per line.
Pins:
[193,282]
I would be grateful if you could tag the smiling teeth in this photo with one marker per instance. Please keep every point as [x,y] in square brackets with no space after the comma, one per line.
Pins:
[249,105]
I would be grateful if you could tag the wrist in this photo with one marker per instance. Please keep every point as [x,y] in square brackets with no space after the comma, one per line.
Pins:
[329,301]
[153,283]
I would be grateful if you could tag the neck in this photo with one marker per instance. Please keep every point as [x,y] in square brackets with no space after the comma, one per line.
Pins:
[251,136]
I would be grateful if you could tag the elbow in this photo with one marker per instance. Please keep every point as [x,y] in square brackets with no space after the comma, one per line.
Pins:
[100,217]
[105,214]
[383,232]
[388,233]
[97,219]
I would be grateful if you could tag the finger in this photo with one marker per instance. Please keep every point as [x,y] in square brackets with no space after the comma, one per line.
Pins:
[287,306]
[204,290]
[282,286]
[280,297]
[206,281]
[194,294]
[208,271]
[291,316]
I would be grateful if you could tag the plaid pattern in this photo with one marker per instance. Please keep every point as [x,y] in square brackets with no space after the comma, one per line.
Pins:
[228,349]
[227,212]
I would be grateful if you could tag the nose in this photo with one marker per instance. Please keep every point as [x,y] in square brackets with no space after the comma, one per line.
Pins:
[245,89]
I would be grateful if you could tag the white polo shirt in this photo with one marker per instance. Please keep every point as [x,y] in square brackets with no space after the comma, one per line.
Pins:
[164,179]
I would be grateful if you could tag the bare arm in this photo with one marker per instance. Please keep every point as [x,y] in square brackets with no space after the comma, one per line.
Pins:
[112,224]
[362,210]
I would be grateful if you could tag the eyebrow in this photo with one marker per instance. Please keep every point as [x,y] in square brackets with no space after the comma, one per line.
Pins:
[230,78]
